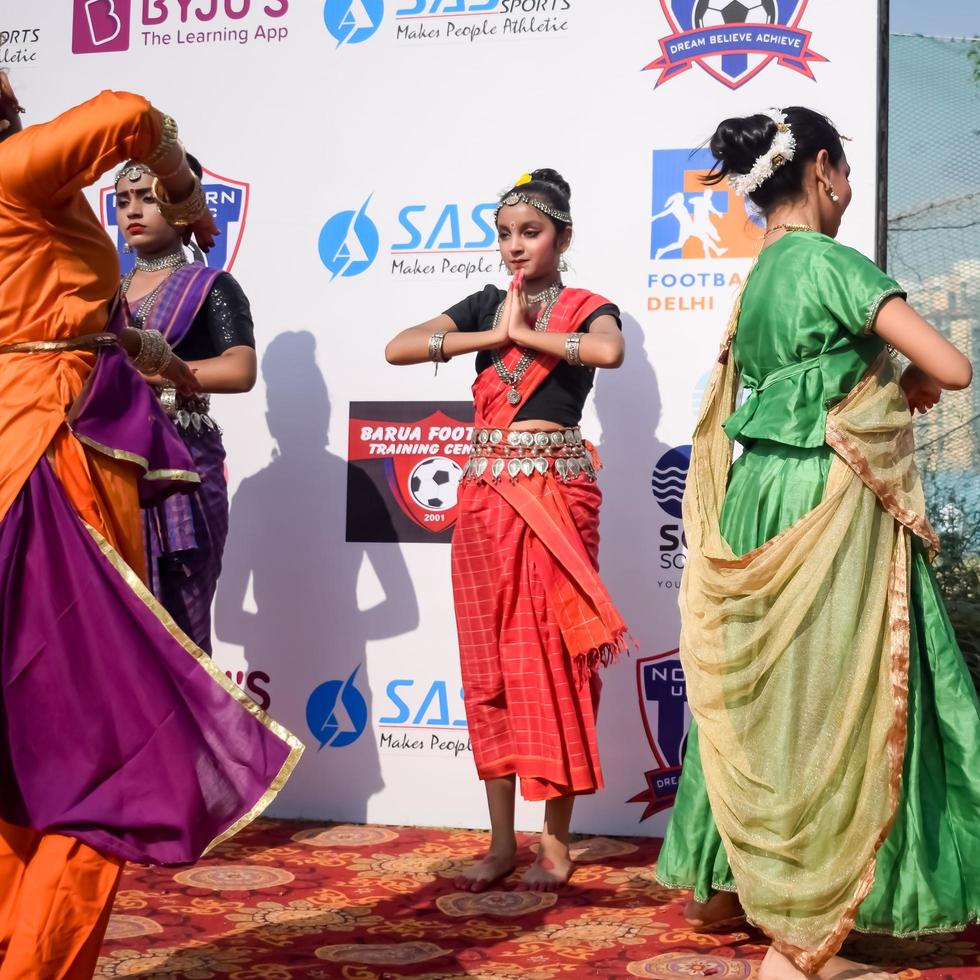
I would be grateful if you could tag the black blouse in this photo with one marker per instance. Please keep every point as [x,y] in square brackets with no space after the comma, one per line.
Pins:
[224,320]
[560,398]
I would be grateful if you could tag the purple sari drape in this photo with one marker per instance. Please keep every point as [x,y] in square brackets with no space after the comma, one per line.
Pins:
[119,733]
[115,728]
[185,535]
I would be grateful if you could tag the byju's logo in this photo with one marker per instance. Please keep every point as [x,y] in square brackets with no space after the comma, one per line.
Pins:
[691,220]
[349,242]
[337,713]
[228,201]
[666,717]
[733,40]
[100,25]
[352,21]
[670,478]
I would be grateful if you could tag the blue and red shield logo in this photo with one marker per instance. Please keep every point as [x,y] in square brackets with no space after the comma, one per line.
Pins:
[666,717]
[733,40]
[228,200]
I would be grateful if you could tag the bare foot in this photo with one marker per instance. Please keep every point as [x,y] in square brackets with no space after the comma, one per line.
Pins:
[840,969]
[776,966]
[721,910]
[547,874]
[485,874]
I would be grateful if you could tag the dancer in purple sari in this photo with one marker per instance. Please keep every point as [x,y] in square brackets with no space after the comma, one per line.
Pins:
[205,316]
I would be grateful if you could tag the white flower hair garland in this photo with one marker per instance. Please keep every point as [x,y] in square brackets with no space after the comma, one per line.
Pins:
[781,150]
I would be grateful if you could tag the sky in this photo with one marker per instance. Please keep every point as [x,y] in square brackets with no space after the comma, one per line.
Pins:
[944,18]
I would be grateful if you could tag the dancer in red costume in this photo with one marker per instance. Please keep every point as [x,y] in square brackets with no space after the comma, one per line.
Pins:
[535,622]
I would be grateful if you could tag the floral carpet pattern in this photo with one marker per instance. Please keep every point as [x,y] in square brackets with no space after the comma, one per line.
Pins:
[287,900]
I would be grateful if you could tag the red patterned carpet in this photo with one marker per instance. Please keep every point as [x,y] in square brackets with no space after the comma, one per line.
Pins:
[287,900]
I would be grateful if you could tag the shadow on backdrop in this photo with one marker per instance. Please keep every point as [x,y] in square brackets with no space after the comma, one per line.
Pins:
[628,404]
[308,632]
[629,408]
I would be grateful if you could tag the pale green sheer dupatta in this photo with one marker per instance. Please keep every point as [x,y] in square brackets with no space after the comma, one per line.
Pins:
[796,657]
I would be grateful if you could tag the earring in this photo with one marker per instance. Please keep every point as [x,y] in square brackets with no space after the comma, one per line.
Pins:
[832,194]
[127,248]
[562,265]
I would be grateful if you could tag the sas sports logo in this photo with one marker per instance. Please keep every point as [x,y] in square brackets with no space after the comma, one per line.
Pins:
[100,25]
[670,478]
[352,21]
[336,713]
[446,239]
[690,220]
[228,201]
[349,242]
[666,718]
[733,40]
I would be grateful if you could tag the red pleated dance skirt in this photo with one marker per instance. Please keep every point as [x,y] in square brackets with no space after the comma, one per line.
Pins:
[531,711]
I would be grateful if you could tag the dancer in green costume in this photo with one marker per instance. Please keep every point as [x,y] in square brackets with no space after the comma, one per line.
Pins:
[821,836]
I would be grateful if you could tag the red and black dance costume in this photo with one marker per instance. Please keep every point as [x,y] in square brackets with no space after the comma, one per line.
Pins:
[535,622]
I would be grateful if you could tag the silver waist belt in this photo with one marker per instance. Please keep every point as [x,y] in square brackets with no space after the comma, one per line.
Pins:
[187,411]
[522,454]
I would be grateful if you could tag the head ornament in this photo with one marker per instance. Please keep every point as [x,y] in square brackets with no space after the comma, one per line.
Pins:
[781,150]
[518,197]
[132,171]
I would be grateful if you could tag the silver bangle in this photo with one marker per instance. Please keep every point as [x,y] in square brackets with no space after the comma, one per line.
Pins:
[436,352]
[572,355]
[168,399]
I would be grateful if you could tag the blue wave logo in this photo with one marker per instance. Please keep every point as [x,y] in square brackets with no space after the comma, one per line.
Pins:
[670,478]
[352,21]
[349,242]
[337,713]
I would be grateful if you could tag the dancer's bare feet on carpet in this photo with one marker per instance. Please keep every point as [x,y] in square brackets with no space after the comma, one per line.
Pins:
[775,966]
[549,873]
[723,909]
[483,875]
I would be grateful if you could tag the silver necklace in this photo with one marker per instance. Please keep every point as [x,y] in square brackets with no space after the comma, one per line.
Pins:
[172,260]
[548,295]
[137,317]
[527,358]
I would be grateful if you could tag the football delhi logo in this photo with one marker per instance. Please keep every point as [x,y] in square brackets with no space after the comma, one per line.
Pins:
[733,40]
[434,482]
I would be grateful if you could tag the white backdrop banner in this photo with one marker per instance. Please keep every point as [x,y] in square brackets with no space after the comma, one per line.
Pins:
[354,152]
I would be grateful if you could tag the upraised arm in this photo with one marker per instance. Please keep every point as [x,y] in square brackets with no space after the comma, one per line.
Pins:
[46,164]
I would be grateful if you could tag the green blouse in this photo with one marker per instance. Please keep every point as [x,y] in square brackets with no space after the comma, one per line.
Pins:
[804,336]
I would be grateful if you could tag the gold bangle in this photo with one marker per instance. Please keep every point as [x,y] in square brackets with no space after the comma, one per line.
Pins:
[184,212]
[155,353]
[176,170]
[168,137]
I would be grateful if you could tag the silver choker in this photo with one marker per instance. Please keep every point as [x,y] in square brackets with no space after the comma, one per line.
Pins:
[548,295]
[172,260]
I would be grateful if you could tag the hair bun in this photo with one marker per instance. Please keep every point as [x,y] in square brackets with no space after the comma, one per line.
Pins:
[739,141]
[554,178]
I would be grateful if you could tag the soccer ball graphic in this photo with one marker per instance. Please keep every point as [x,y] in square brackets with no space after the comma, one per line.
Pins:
[718,13]
[433,483]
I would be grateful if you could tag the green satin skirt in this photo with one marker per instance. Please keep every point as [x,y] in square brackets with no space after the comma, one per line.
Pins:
[928,871]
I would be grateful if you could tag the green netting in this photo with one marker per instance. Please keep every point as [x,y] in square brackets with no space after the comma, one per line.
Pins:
[933,249]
